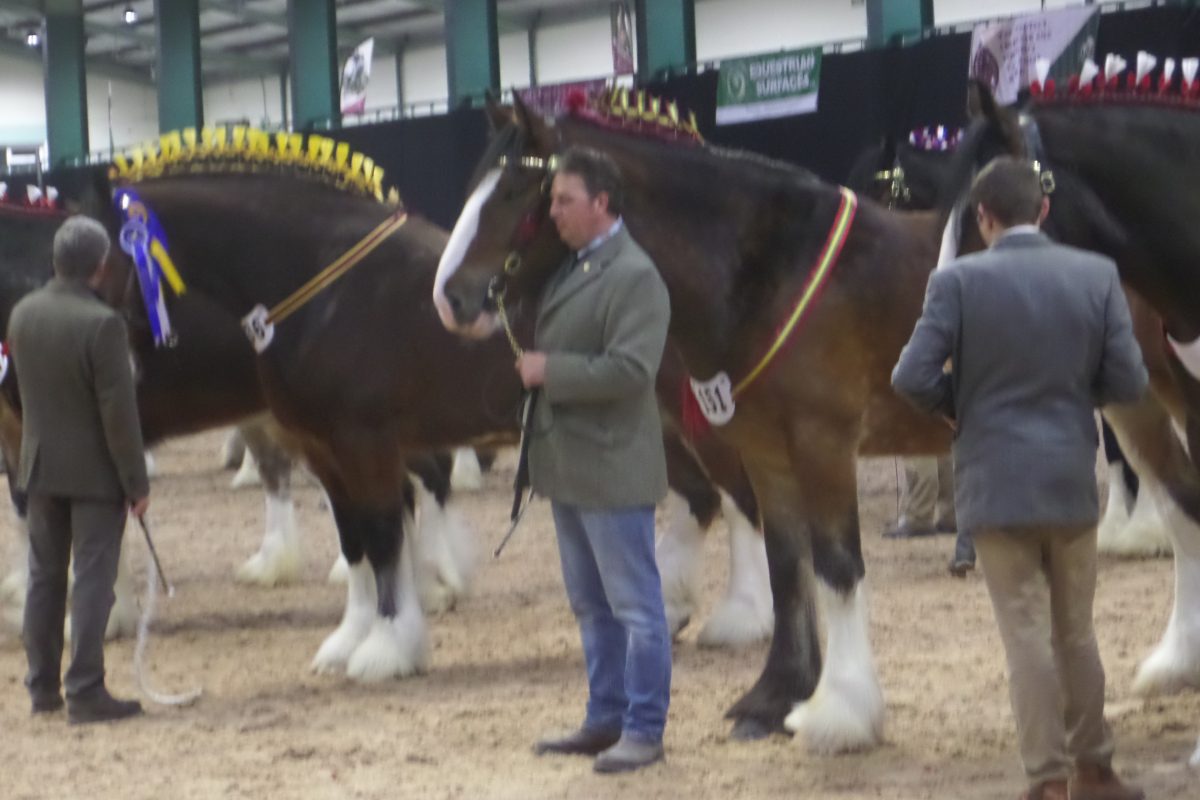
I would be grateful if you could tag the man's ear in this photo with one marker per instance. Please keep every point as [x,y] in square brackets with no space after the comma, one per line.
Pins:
[1045,210]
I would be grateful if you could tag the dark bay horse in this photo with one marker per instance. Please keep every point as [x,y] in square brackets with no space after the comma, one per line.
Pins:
[735,236]
[1125,175]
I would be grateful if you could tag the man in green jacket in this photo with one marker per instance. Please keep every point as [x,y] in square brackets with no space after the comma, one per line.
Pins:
[596,452]
[82,464]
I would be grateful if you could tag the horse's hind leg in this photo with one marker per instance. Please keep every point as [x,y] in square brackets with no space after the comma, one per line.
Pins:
[278,558]
[444,547]
[1146,436]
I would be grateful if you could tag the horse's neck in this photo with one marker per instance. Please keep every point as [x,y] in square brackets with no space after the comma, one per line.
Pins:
[693,233]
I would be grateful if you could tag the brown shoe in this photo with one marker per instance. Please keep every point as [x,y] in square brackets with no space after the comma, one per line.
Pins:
[1046,790]
[583,742]
[1094,782]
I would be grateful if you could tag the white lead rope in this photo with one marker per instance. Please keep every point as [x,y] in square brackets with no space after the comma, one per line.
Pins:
[143,638]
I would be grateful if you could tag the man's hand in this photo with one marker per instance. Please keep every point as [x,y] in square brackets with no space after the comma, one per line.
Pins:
[532,368]
[140,506]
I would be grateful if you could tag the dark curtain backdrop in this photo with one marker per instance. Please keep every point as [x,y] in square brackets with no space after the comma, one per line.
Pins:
[863,96]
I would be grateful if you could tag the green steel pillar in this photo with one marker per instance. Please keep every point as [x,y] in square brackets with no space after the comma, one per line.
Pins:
[180,93]
[666,35]
[312,39]
[472,49]
[890,20]
[65,81]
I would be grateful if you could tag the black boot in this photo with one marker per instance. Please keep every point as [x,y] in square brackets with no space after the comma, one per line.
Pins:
[100,706]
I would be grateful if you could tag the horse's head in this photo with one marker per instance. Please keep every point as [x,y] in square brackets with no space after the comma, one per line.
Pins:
[503,244]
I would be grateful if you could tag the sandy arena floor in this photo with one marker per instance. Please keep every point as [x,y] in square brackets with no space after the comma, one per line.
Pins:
[506,667]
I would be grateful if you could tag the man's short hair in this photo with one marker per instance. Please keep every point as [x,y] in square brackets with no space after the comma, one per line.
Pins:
[79,247]
[598,172]
[1009,189]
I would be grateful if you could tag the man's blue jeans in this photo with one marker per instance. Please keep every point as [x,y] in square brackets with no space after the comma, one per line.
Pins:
[614,589]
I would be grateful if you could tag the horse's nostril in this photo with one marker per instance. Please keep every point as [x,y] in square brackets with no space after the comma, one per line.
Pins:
[455,303]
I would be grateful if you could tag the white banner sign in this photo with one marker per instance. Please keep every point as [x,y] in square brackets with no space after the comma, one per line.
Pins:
[1003,53]
[355,77]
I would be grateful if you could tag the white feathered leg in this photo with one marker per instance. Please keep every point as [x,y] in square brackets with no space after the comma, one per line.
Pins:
[123,619]
[1175,661]
[678,556]
[1194,761]
[339,573]
[445,554]
[233,450]
[1145,535]
[278,558]
[360,614]
[248,474]
[1116,510]
[465,475]
[845,712]
[746,614]
[399,646]
[16,582]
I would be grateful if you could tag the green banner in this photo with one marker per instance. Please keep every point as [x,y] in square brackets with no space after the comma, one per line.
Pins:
[768,86]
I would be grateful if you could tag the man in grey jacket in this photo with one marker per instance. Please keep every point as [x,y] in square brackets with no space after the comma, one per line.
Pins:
[1038,335]
[82,465]
[596,452]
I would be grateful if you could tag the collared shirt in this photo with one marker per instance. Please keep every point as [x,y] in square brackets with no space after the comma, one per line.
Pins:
[1019,229]
[594,244]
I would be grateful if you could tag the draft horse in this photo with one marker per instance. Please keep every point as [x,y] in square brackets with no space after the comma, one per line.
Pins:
[735,237]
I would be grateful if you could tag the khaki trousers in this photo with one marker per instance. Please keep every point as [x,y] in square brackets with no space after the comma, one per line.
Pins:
[928,497]
[1042,581]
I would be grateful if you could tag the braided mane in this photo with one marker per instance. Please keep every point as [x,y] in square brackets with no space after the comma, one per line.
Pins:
[638,113]
[242,149]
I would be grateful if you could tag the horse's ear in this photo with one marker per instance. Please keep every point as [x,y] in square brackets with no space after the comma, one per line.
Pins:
[981,103]
[498,115]
[535,128]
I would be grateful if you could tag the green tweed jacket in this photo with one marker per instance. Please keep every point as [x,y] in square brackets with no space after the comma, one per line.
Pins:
[81,435]
[596,436]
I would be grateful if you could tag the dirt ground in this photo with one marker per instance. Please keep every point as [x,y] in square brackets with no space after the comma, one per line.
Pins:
[506,667]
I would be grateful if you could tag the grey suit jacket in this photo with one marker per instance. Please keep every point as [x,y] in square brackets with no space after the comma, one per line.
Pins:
[1039,334]
[596,438]
[81,435]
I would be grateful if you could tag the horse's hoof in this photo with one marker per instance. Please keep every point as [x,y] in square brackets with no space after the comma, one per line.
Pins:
[751,729]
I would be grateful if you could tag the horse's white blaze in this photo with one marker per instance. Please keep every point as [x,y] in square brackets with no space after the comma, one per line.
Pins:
[397,647]
[948,251]
[1189,354]
[460,240]
[123,619]
[678,557]
[845,713]
[360,614]
[1116,510]
[746,614]
[1175,661]
[247,474]
[465,475]
[444,552]
[278,558]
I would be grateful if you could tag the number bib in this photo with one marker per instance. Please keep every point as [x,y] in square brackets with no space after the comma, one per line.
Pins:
[715,398]
[258,329]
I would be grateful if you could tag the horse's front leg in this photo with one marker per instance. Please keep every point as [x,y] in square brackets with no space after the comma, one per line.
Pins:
[278,558]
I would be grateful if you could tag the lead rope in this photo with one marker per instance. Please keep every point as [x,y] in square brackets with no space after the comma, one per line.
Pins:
[153,576]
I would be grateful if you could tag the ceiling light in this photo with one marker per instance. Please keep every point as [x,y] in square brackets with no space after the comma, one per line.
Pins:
[130,15]
[32,39]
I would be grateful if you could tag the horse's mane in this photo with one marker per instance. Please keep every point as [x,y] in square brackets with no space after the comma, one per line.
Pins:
[244,150]
[643,116]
